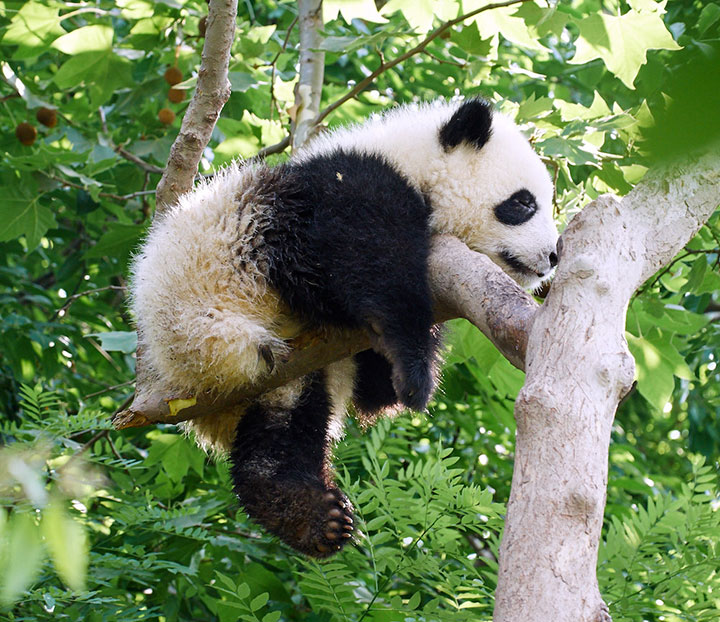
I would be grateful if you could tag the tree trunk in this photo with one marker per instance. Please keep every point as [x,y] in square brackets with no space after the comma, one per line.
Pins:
[578,367]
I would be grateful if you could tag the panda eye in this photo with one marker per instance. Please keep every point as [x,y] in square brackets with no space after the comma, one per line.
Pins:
[517,209]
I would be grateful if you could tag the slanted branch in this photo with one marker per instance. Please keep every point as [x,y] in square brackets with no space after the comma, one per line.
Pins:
[465,284]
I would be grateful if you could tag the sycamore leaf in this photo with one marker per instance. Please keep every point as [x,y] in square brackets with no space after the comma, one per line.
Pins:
[117,340]
[87,39]
[709,16]
[504,22]
[118,241]
[351,9]
[622,41]
[34,26]
[22,214]
[570,111]
[657,362]
[421,13]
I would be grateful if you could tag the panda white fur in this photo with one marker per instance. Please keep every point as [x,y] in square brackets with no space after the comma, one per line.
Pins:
[339,235]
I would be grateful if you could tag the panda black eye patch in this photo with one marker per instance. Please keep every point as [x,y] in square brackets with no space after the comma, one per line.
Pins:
[517,209]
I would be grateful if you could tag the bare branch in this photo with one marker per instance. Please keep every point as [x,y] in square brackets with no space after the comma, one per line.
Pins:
[420,47]
[276,148]
[96,290]
[120,198]
[211,93]
[465,284]
[121,151]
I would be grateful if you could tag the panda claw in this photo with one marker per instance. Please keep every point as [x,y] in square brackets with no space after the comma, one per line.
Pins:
[265,352]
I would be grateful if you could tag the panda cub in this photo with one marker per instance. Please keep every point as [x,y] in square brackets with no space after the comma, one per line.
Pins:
[337,236]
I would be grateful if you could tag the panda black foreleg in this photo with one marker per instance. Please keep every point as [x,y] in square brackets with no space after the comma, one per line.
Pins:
[401,330]
[282,476]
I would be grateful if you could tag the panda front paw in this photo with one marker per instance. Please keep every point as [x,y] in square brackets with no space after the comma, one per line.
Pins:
[414,384]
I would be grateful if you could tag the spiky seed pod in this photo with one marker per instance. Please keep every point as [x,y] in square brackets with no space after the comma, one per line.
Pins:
[173,75]
[46,116]
[176,95]
[26,133]
[166,116]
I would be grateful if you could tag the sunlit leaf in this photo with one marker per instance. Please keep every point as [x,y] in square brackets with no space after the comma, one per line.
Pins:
[67,543]
[622,41]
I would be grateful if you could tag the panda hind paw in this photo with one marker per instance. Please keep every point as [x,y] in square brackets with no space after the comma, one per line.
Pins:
[313,518]
[336,527]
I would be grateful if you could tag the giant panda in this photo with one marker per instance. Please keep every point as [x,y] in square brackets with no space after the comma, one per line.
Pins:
[338,236]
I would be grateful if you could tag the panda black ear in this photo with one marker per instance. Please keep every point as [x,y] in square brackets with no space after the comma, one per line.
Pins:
[472,123]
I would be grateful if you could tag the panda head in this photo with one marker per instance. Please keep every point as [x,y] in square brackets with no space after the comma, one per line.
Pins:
[493,191]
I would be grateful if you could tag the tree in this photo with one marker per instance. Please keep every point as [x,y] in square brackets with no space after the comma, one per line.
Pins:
[592,148]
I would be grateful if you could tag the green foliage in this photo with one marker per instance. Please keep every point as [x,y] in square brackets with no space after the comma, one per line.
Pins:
[662,559]
[141,525]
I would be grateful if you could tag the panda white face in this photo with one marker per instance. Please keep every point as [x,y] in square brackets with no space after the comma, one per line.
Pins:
[486,184]
[495,193]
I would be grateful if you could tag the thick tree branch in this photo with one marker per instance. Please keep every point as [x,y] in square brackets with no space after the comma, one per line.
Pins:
[211,93]
[465,284]
[578,368]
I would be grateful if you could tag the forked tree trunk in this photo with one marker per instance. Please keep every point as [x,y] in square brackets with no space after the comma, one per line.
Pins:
[578,365]
[578,368]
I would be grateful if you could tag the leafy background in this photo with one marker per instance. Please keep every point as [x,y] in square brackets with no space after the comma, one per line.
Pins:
[141,525]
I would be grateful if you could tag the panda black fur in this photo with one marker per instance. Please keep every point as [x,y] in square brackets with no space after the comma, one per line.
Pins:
[337,236]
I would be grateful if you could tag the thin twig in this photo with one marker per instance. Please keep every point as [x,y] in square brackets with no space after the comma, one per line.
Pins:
[420,47]
[62,310]
[444,61]
[276,148]
[121,151]
[273,65]
[108,389]
[99,12]
[107,195]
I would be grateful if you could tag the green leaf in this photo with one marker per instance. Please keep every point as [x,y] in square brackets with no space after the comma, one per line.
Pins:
[420,14]
[622,41]
[22,214]
[241,82]
[118,241]
[654,372]
[95,38]
[243,590]
[102,72]
[576,151]
[23,556]
[259,601]
[708,17]
[570,112]
[352,9]
[117,341]
[33,28]
[67,543]
[466,342]
[503,21]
